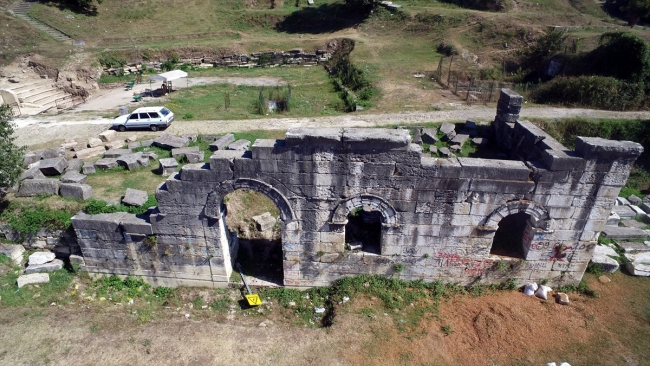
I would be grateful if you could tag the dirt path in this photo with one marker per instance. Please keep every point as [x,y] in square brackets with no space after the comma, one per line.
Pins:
[39,131]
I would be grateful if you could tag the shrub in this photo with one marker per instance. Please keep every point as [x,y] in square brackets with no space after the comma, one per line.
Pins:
[27,220]
[95,207]
[592,91]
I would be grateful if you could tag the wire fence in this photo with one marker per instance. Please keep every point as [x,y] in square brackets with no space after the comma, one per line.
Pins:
[466,85]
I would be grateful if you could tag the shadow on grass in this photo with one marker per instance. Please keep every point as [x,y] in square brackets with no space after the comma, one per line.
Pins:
[326,18]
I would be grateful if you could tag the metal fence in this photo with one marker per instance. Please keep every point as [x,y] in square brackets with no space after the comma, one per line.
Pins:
[477,91]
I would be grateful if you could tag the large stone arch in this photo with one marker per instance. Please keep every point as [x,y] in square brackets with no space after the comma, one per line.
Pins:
[213,206]
[343,209]
[537,211]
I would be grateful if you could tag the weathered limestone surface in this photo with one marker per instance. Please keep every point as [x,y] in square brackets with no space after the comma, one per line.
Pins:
[54,166]
[35,187]
[13,251]
[76,190]
[438,216]
[167,166]
[90,152]
[73,177]
[116,153]
[264,221]
[88,168]
[106,163]
[221,142]
[32,173]
[33,278]
[74,165]
[54,265]
[168,142]
[135,197]
[41,258]
[108,136]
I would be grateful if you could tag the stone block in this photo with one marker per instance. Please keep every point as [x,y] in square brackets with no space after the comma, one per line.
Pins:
[134,145]
[617,232]
[135,197]
[76,191]
[449,131]
[433,149]
[73,177]
[637,210]
[32,173]
[599,148]
[223,160]
[639,263]
[116,153]
[633,247]
[108,136]
[74,165]
[88,168]
[239,145]
[146,143]
[222,142]
[13,252]
[54,166]
[54,265]
[94,142]
[429,135]
[494,169]
[209,138]
[131,138]
[114,145]
[77,259]
[509,97]
[168,166]
[622,201]
[194,157]
[168,142]
[180,152]
[613,219]
[635,200]
[33,278]
[35,187]
[623,211]
[40,258]
[106,163]
[459,139]
[131,161]
[264,221]
[90,152]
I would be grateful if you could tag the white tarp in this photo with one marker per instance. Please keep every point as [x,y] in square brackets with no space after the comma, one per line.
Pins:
[169,76]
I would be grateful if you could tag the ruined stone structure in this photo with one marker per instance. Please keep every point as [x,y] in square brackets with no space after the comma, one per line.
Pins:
[439,216]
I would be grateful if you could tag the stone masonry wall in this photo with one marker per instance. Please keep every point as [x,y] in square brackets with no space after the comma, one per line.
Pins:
[439,215]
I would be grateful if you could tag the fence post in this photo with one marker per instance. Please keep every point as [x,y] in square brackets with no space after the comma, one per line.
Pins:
[449,73]
[491,90]
[469,86]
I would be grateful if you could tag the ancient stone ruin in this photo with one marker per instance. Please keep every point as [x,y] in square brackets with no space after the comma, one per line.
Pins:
[535,214]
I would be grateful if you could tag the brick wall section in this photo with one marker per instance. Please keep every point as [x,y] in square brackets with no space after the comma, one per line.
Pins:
[439,216]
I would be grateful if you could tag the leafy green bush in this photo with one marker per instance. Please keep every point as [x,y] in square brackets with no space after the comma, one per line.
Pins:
[592,91]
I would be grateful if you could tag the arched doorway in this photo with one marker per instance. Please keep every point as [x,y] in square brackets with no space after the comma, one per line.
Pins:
[255,220]
[254,191]
[515,224]
[509,238]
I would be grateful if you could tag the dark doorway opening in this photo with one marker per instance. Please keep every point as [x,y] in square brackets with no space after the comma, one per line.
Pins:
[363,230]
[260,247]
[508,240]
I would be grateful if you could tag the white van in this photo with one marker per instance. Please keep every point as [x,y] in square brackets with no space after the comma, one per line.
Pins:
[153,118]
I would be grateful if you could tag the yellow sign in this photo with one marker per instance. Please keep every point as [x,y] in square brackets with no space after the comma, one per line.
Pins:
[254,300]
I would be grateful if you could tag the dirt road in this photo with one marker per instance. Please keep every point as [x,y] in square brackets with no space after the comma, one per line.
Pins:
[37,132]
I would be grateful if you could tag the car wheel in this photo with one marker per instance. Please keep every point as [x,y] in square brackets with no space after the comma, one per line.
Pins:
[121,128]
[154,128]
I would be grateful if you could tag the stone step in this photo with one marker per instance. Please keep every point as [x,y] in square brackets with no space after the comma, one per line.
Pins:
[50,101]
[43,27]
[27,86]
[33,89]
[45,95]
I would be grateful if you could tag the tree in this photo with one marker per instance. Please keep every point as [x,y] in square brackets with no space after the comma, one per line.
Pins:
[622,55]
[636,10]
[12,155]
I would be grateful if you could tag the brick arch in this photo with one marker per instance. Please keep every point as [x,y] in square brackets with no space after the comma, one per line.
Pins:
[213,204]
[343,209]
[533,209]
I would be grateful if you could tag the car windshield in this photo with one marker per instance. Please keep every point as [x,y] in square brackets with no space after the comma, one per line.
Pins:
[165,111]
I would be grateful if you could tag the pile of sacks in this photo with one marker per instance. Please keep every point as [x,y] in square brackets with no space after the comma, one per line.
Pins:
[542,292]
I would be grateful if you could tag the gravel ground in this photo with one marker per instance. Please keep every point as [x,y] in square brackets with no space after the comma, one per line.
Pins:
[38,132]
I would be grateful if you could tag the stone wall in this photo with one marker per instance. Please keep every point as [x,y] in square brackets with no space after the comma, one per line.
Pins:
[439,216]
[268,58]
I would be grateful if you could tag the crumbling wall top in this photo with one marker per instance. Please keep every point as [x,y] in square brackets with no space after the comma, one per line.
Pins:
[596,147]
[382,139]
